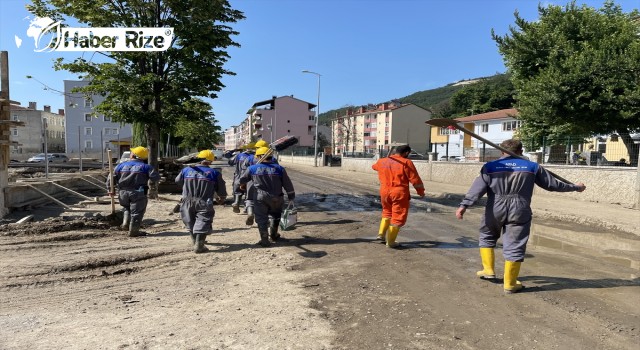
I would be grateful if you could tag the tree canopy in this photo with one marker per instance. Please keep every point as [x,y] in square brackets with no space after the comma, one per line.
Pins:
[576,71]
[141,87]
[487,95]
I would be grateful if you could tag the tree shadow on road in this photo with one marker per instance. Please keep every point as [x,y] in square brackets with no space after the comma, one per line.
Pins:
[550,283]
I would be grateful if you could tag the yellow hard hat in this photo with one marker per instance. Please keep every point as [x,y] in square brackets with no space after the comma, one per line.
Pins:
[262,150]
[140,152]
[261,143]
[207,154]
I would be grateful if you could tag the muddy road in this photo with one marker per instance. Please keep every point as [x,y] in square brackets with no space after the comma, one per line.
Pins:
[74,282]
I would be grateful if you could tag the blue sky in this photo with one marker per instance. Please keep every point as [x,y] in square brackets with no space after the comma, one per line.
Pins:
[367,51]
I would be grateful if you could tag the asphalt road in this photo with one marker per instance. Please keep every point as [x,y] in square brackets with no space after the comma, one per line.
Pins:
[574,299]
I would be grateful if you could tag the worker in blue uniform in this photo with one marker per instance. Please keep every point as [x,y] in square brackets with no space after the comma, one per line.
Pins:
[508,183]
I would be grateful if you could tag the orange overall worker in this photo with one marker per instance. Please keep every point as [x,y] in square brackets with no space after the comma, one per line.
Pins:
[395,173]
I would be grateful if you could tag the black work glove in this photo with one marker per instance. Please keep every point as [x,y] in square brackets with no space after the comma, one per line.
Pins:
[291,196]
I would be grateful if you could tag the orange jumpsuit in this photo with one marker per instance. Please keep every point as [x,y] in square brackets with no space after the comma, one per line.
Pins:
[395,173]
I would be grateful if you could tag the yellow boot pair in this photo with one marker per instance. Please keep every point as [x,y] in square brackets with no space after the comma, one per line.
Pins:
[511,272]
[487,256]
[392,235]
[382,232]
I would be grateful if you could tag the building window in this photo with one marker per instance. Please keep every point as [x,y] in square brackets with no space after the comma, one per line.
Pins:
[106,119]
[311,117]
[88,144]
[106,131]
[386,133]
[88,103]
[88,131]
[510,126]
[374,125]
[484,127]
[63,135]
[15,118]
[14,132]
[114,131]
[87,117]
[386,124]
[62,123]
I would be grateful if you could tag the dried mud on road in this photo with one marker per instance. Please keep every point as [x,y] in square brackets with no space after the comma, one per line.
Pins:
[79,283]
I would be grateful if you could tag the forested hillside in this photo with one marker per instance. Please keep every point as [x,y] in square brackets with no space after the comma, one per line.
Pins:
[456,99]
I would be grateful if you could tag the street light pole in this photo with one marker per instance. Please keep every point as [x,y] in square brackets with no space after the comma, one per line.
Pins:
[315,144]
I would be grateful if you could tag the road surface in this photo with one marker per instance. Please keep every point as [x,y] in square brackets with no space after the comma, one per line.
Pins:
[77,283]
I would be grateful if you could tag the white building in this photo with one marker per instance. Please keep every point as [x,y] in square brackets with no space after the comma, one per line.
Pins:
[88,132]
[495,126]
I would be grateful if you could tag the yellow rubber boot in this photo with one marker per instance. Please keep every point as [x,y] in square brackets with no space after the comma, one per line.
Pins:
[511,272]
[384,226]
[487,256]
[392,235]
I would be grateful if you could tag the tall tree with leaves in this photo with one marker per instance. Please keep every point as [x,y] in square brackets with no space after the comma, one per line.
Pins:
[576,71]
[138,86]
[196,126]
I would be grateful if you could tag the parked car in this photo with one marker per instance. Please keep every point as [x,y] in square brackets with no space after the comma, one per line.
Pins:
[416,155]
[53,158]
[450,158]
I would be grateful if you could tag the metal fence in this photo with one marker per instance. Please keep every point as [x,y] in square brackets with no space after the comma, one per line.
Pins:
[593,151]
[590,151]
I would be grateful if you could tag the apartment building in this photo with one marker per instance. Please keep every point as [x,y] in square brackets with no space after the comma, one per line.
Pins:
[274,118]
[233,138]
[370,129]
[495,126]
[283,116]
[86,131]
[39,125]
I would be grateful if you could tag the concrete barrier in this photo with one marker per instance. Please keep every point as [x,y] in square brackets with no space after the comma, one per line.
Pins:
[291,159]
[609,185]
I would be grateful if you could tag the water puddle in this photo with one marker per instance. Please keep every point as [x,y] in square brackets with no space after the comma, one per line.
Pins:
[615,247]
[339,202]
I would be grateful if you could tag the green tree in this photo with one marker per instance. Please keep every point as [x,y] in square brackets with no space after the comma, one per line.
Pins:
[139,86]
[576,71]
[198,128]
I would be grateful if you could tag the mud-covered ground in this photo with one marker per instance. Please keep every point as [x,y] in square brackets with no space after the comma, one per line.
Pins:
[76,282]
